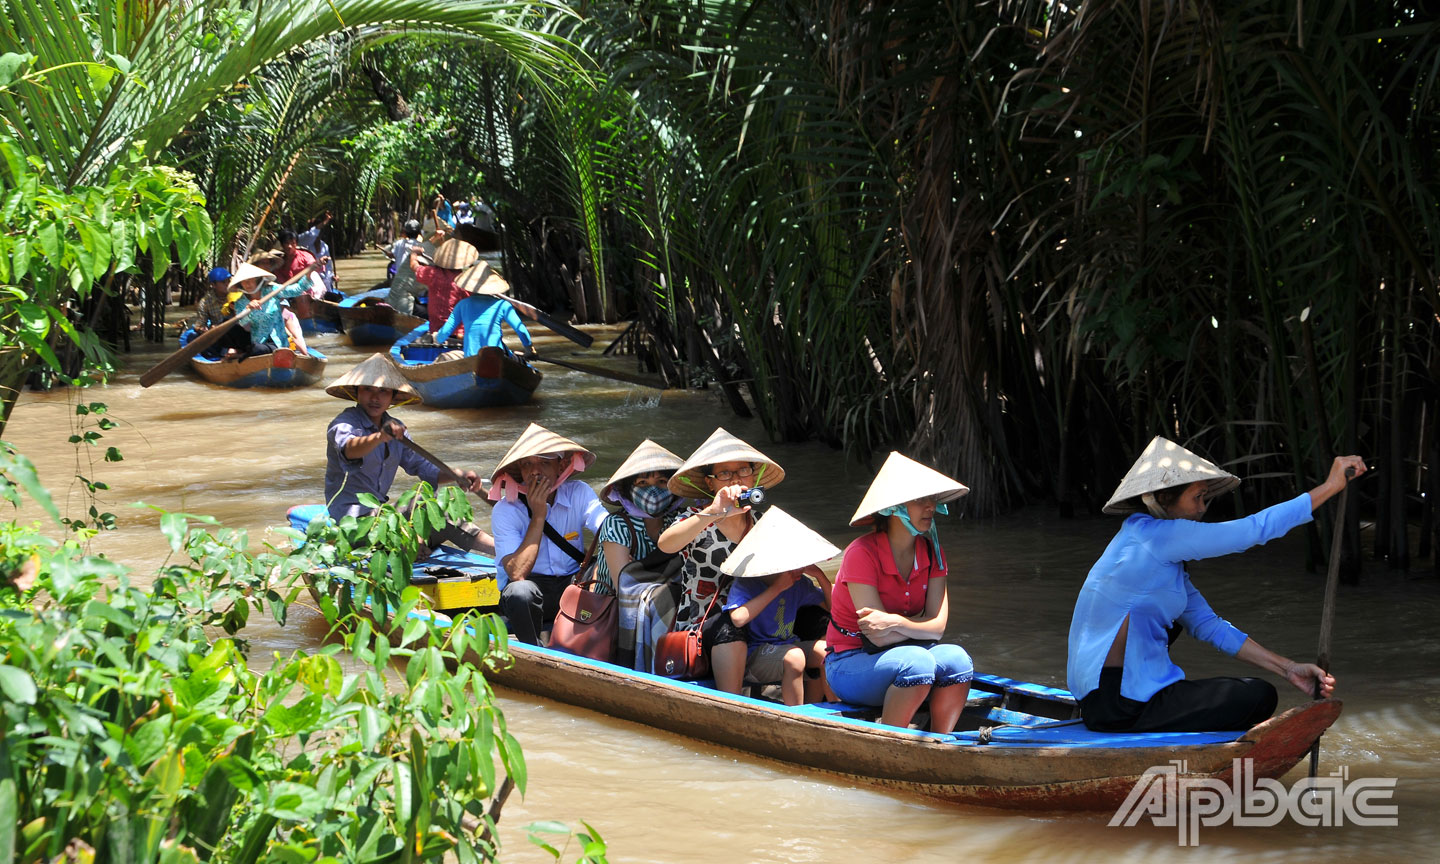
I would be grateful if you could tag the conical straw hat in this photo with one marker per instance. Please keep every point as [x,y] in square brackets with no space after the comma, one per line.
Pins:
[377,371]
[721,446]
[249,271]
[902,479]
[481,278]
[456,255]
[778,543]
[536,440]
[1165,464]
[646,458]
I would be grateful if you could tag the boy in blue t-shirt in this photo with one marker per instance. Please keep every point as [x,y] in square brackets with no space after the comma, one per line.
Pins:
[765,607]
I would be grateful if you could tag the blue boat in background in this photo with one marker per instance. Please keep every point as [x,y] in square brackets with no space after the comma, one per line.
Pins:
[492,378]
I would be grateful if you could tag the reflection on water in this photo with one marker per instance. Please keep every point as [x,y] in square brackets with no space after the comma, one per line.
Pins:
[246,456]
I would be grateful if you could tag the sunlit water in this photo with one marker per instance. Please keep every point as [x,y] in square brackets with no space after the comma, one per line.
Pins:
[246,456]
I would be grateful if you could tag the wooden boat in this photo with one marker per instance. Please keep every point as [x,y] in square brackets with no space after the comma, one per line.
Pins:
[368,321]
[1019,745]
[491,378]
[280,368]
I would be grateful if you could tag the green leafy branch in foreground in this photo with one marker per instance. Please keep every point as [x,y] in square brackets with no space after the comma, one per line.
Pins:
[128,733]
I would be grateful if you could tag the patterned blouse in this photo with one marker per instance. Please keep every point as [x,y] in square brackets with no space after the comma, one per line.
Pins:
[265,324]
[702,575]
[625,530]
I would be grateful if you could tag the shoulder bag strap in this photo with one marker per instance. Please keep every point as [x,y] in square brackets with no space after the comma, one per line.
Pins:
[557,538]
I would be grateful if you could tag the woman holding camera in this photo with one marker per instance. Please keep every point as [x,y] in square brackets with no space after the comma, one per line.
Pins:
[723,469]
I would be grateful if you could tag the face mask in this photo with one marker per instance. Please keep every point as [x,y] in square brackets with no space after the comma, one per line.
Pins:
[652,499]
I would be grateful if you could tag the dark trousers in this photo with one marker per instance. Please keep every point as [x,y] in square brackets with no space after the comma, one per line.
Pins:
[530,606]
[1203,705]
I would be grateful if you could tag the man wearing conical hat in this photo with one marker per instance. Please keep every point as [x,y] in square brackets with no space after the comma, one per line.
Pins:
[775,577]
[364,449]
[541,517]
[891,603]
[1139,594]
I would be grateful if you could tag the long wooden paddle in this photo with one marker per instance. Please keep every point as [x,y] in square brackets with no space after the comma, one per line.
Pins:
[579,337]
[1327,610]
[211,336]
[641,380]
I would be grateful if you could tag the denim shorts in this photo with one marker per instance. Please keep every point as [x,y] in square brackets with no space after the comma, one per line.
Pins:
[862,679]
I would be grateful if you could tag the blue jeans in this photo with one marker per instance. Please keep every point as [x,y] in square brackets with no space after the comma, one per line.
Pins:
[862,679]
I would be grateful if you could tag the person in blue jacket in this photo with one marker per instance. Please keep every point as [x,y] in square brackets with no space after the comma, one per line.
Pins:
[1139,591]
[482,313]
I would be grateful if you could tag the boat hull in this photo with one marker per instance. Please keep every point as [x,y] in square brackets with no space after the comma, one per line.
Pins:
[1018,746]
[366,321]
[492,378]
[280,369]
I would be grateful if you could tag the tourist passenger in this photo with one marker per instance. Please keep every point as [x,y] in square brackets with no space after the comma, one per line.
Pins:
[776,576]
[885,627]
[311,240]
[1120,667]
[540,519]
[404,287]
[363,450]
[723,467]
[265,323]
[483,311]
[451,259]
[214,308]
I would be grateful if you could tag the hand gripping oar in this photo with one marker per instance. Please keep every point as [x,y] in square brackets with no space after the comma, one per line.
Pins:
[1327,610]
[211,336]
[444,469]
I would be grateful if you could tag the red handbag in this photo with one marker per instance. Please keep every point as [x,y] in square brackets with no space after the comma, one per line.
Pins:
[677,654]
[587,624]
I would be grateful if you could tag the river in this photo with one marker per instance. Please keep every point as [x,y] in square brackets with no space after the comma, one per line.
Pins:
[246,456]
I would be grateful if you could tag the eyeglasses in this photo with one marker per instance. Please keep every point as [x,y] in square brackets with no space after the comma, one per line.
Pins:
[739,474]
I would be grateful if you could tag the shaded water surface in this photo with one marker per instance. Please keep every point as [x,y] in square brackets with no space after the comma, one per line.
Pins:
[246,456]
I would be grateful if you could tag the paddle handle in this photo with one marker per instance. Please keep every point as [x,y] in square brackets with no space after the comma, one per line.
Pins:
[1332,579]
[579,337]
[435,460]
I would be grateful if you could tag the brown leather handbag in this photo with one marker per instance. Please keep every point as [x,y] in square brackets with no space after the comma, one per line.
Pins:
[588,623]
[678,654]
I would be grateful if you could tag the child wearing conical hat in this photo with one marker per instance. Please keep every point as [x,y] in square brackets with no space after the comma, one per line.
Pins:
[891,603]
[364,449]
[542,514]
[720,469]
[773,568]
[1119,665]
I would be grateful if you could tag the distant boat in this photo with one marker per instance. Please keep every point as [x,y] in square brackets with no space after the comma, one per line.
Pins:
[1018,745]
[492,378]
[280,368]
[370,321]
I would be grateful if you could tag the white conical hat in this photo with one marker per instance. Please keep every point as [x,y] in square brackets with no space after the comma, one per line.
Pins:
[377,371]
[249,271]
[536,440]
[902,479]
[721,446]
[455,255]
[647,458]
[1165,464]
[778,543]
[481,278]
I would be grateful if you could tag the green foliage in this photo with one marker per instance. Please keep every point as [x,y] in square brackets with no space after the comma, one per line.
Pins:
[127,726]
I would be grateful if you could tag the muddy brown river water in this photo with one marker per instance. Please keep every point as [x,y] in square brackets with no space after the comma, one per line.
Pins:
[246,456]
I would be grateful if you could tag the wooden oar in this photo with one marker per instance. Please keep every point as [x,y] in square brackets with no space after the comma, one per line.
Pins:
[211,336]
[444,469]
[643,381]
[579,337]
[1327,610]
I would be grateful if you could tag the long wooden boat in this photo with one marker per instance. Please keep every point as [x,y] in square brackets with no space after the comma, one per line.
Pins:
[491,378]
[280,368]
[369,321]
[1018,745]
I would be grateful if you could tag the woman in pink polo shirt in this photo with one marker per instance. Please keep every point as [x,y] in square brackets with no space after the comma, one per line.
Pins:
[884,628]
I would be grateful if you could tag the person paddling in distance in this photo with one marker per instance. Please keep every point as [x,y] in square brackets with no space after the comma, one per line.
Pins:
[891,603]
[1119,664]
[776,575]
[540,519]
[722,468]
[363,451]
